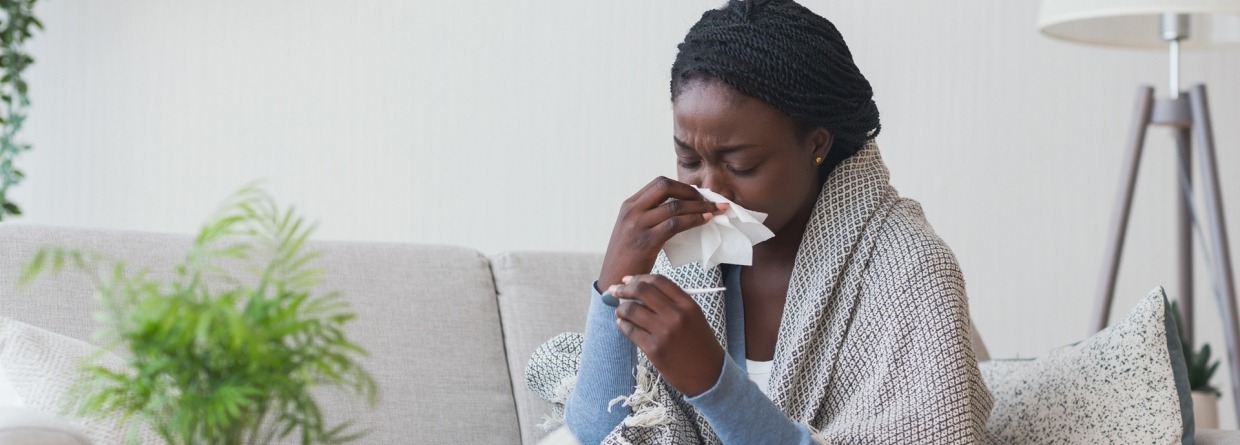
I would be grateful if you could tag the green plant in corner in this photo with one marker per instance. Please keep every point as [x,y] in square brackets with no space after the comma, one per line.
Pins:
[15,27]
[1200,369]
[213,360]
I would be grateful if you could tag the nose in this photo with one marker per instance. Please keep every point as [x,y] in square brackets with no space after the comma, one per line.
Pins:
[717,182]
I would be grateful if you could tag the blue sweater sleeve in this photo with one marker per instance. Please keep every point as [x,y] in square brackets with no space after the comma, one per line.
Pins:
[741,414]
[607,362]
[735,407]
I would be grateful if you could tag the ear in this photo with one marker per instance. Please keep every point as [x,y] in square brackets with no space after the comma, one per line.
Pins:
[820,141]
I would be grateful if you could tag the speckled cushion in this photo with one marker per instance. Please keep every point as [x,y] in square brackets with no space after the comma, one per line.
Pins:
[1125,385]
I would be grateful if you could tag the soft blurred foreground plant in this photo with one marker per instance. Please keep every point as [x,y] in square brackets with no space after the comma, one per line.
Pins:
[216,358]
[17,24]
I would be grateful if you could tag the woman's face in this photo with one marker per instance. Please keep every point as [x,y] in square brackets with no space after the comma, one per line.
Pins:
[746,150]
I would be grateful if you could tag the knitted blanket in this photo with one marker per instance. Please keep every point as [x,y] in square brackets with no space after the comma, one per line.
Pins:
[874,344]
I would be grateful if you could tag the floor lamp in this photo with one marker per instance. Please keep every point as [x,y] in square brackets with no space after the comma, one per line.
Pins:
[1174,25]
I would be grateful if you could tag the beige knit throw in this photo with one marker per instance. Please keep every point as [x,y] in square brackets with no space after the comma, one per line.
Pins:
[874,344]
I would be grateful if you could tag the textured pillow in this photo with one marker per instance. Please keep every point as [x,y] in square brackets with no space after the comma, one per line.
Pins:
[1125,385]
[41,365]
[8,394]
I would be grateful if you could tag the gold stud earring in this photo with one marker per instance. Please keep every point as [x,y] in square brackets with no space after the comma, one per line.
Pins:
[818,160]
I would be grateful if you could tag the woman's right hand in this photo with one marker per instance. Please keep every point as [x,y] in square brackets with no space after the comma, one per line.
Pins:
[648,219]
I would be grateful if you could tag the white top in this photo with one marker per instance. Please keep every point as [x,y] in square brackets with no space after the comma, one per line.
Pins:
[760,373]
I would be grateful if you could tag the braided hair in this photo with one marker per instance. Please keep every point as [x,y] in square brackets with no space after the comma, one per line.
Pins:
[785,55]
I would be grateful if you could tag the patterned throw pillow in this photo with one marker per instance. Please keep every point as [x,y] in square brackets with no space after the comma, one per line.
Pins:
[1125,385]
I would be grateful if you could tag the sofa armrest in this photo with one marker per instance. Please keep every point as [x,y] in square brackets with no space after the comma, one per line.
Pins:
[1217,437]
[20,426]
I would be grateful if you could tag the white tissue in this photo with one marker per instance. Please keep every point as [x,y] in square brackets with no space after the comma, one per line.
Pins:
[727,238]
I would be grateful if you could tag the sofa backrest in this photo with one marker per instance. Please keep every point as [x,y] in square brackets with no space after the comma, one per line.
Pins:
[427,315]
[541,294]
[449,331]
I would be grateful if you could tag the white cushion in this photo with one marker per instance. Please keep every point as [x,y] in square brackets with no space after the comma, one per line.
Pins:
[8,394]
[1120,386]
[20,426]
[41,365]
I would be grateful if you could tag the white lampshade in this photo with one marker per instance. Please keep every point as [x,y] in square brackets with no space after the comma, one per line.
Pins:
[1136,23]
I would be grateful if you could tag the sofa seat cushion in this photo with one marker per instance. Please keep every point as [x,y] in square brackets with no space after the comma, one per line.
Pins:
[1217,437]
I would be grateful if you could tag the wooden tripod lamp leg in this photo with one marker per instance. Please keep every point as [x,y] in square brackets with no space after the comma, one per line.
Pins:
[1123,206]
[1184,229]
[1216,224]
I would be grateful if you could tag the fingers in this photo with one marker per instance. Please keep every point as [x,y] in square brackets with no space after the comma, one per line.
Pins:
[640,337]
[640,324]
[642,292]
[661,189]
[668,228]
[669,290]
[657,292]
[675,207]
[672,208]
[666,324]
[647,220]
[638,314]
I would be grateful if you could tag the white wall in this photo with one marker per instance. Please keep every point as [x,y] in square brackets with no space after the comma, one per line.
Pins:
[505,125]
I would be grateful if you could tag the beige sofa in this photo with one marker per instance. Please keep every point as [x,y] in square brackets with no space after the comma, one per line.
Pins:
[449,329]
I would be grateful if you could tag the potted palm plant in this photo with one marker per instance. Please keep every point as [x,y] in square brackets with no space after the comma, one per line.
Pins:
[1200,371]
[217,356]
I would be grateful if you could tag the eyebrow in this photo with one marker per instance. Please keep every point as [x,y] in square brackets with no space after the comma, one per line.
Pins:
[723,150]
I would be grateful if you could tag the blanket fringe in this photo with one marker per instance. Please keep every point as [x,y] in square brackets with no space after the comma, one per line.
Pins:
[559,399]
[818,436]
[647,411]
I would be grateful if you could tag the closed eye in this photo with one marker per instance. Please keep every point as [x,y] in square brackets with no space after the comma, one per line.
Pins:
[743,170]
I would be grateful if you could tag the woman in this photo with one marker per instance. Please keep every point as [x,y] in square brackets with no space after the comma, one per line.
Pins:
[855,309]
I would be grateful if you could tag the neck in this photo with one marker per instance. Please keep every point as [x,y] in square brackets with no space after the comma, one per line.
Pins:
[783,247]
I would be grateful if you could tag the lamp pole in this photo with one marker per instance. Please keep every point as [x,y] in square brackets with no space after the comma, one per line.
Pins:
[1175,27]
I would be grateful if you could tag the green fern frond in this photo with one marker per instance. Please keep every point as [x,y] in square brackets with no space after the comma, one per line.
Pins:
[212,359]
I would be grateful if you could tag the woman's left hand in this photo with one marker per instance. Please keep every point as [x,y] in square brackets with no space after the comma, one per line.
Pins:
[669,327]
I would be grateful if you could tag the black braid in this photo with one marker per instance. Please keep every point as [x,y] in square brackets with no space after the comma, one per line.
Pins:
[785,55]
